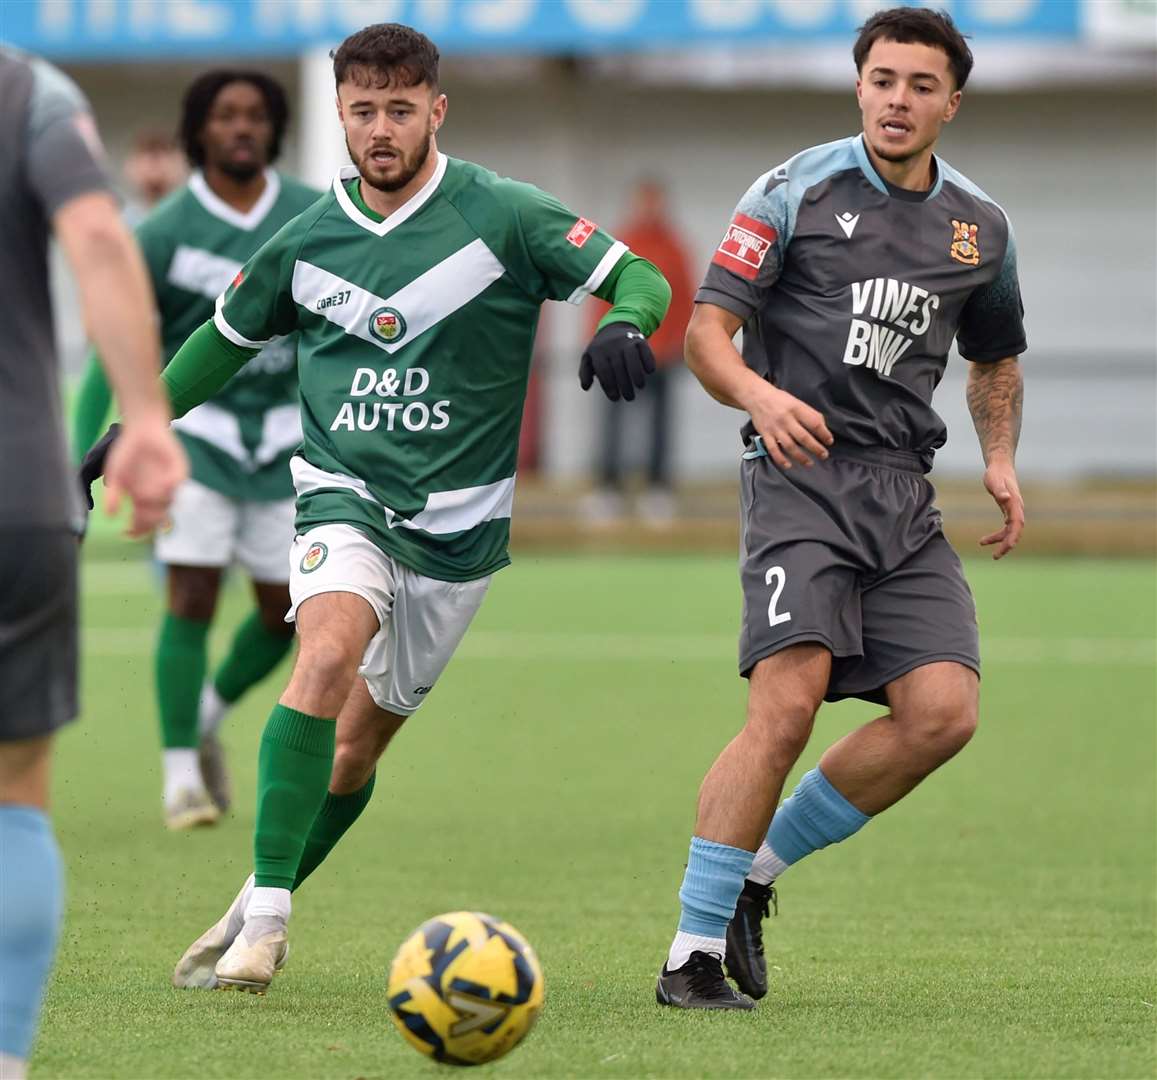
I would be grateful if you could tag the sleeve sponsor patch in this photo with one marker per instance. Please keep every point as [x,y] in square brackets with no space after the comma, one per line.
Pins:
[744,247]
[581,232]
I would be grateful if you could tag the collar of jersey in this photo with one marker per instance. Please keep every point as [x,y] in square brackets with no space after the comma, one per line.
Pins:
[407,210]
[878,182]
[219,208]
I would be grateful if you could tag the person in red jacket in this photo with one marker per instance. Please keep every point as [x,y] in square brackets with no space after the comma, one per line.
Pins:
[651,234]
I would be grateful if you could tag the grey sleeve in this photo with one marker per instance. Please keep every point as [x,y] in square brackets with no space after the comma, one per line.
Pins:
[992,322]
[64,157]
[749,259]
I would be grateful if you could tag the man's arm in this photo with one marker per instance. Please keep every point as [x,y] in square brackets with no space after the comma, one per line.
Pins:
[996,400]
[619,355]
[148,463]
[791,429]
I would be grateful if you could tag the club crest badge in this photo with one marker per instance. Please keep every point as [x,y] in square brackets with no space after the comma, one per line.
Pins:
[964,248]
[388,325]
[314,557]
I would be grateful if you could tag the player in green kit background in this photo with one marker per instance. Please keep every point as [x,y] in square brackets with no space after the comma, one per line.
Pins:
[237,506]
[415,287]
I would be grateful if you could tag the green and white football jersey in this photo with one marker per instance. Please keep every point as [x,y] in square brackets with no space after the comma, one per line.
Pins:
[415,338]
[240,441]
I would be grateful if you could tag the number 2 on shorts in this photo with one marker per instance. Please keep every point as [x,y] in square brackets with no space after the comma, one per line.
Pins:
[779,576]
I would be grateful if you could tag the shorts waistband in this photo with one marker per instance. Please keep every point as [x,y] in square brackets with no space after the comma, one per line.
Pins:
[905,460]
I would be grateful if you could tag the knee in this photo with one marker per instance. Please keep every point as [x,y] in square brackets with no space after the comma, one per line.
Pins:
[329,663]
[781,727]
[945,728]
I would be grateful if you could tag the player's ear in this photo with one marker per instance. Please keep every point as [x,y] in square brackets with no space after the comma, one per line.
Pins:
[340,114]
[438,113]
[952,106]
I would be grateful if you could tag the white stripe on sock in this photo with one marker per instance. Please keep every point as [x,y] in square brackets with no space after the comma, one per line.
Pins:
[685,944]
[767,866]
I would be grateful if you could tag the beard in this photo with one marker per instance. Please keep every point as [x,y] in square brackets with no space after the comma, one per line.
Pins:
[409,166]
[242,171]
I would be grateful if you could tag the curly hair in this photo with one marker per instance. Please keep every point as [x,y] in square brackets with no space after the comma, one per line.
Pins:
[203,92]
[384,54]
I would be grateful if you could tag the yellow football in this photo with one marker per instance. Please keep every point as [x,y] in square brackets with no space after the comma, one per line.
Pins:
[465,988]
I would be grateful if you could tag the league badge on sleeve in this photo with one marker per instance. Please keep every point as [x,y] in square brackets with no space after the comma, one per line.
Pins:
[745,245]
[581,232]
[964,249]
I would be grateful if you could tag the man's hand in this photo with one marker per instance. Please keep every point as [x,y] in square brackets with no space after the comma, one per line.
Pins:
[620,358]
[791,429]
[1000,480]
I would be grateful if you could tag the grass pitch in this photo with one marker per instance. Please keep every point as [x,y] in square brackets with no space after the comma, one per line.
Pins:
[997,923]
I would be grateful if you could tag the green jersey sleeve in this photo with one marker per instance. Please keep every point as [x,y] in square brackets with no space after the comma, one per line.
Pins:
[258,305]
[569,256]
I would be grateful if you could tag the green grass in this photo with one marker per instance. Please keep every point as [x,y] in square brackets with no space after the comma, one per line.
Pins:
[998,923]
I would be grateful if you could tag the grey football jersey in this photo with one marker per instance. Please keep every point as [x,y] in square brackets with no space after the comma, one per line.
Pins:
[853,290]
[48,155]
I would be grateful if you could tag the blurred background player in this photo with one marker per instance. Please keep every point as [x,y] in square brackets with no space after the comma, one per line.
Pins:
[651,234]
[155,166]
[237,505]
[52,179]
[852,268]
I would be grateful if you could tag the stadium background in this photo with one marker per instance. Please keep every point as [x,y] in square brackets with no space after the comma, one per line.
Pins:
[1020,882]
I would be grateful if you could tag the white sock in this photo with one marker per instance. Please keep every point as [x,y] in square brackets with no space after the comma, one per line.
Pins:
[766,867]
[182,771]
[267,902]
[685,944]
[211,710]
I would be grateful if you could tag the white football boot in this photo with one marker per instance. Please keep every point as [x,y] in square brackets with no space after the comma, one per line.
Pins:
[196,969]
[189,808]
[258,952]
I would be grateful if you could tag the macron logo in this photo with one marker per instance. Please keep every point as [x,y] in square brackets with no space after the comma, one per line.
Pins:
[847,221]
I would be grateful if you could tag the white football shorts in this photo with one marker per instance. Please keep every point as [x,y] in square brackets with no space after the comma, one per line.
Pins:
[207,528]
[421,620]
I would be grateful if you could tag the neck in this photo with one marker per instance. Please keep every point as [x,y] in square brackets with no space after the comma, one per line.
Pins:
[242,195]
[386,202]
[912,174]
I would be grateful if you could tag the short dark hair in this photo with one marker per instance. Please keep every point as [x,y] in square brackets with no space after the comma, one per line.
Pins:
[909,25]
[386,54]
[203,92]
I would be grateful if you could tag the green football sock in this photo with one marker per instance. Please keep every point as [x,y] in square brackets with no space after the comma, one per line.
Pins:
[179,668]
[255,652]
[336,815]
[293,767]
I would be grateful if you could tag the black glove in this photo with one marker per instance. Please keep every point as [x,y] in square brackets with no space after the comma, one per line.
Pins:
[620,357]
[93,464]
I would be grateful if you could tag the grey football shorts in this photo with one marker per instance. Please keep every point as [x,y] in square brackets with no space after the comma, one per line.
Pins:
[850,553]
[38,635]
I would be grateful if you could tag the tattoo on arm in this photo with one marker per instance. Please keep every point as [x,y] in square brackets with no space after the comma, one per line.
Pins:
[995,399]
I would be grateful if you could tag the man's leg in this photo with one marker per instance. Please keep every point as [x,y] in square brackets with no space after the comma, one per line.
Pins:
[736,801]
[364,730]
[31,896]
[258,646]
[933,715]
[179,668]
[293,770]
[38,664]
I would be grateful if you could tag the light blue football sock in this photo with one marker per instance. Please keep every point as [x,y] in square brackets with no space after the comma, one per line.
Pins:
[711,885]
[31,895]
[814,816]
